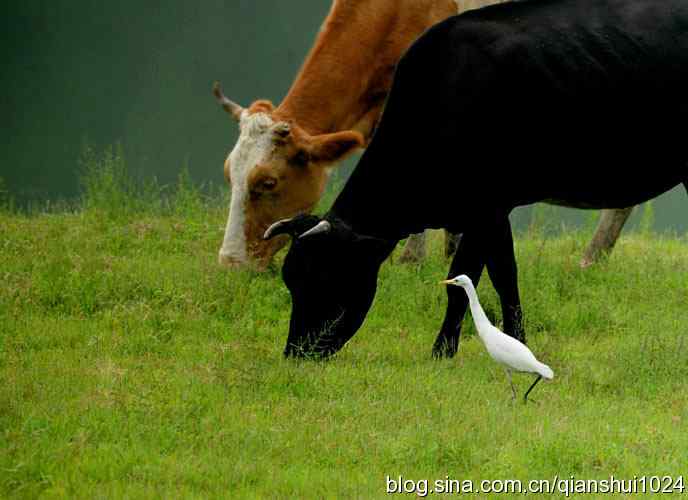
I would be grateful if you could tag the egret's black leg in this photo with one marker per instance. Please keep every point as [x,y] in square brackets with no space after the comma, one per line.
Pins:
[501,267]
[525,398]
[468,260]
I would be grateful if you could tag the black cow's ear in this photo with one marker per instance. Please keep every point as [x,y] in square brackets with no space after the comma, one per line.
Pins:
[294,227]
[374,247]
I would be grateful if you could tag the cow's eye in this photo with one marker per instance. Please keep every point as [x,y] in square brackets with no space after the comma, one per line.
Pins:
[268,184]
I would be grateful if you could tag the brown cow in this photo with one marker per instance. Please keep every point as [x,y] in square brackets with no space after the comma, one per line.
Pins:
[281,162]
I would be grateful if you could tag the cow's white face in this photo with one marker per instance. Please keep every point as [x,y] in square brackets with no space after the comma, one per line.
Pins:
[276,170]
[254,147]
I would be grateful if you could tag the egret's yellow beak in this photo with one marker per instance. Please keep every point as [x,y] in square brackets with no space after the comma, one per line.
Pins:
[446,282]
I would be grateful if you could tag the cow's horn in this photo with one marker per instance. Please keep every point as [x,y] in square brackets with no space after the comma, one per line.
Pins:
[279,227]
[230,106]
[322,227]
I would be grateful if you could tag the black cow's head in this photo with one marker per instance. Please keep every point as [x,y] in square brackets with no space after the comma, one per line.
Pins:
[331,273]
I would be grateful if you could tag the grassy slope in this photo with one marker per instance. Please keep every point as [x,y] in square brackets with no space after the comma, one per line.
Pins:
[131,365]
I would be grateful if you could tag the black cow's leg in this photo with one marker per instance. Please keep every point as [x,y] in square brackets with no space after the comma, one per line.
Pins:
[467,260]
[501,267]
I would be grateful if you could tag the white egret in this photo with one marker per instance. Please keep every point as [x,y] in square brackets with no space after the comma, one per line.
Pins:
[505,350]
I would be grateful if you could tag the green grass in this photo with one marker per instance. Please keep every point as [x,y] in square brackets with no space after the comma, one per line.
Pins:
[131,365]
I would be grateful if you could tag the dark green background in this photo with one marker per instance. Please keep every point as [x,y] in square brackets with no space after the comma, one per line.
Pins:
[139,73]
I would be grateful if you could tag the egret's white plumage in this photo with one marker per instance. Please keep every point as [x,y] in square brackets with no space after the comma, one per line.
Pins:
[505,350]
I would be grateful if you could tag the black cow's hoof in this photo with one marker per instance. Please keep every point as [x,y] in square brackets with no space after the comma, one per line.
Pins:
[444,348]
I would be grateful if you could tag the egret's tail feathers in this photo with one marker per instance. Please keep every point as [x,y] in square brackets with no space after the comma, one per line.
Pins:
[545,371]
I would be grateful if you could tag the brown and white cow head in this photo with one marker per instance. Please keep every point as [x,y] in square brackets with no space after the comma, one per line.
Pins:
[276,170]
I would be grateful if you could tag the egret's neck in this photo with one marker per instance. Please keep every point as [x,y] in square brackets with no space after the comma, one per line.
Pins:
[477,312]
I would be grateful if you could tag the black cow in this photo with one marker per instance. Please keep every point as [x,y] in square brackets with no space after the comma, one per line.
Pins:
[582,103]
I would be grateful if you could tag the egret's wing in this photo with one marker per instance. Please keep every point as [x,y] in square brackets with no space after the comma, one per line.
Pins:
[512,353]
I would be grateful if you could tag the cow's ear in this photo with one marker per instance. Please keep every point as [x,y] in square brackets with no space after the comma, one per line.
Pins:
[372,246]
[331,148]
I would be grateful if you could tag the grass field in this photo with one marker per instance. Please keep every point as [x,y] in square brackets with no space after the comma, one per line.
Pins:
[131,365]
